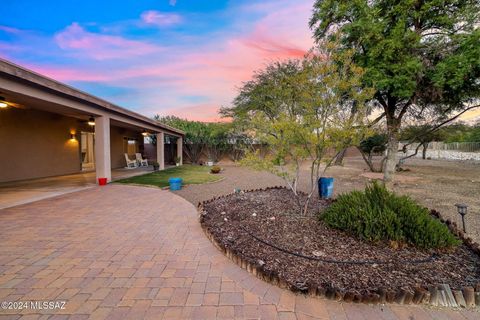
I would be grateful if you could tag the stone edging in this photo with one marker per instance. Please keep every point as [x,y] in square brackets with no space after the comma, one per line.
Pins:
[440,295]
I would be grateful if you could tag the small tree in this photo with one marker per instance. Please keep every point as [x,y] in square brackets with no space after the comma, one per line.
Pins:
[373,145]
[297,107]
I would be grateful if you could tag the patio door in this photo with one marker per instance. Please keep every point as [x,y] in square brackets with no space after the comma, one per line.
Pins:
[130,147]
[87,150]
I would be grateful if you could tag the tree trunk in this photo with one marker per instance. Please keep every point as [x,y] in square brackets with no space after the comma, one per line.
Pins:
[392,150]
[368,160]
[424,151]
[340,156]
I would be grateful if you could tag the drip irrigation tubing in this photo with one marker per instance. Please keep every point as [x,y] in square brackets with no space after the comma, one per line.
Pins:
[432,258]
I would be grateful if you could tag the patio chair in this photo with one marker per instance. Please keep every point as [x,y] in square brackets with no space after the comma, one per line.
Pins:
[130,163]
[142,162]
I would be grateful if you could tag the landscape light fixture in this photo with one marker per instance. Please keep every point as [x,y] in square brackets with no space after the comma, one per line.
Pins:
[3,103]
[144,133]
[462,210]
[91,121]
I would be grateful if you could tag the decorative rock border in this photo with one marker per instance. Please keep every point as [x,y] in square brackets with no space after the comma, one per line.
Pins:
[441,295]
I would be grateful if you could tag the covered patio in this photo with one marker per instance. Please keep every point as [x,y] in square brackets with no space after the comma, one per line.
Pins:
[26,191]
[71,138]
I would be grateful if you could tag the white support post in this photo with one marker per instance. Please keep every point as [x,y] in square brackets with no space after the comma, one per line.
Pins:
[180,149]
[103,164]
[160,150]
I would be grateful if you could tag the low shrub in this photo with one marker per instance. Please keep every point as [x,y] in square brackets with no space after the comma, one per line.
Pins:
[215,169]
[378,214]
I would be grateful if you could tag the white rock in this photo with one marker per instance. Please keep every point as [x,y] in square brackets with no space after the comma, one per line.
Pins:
[318,253]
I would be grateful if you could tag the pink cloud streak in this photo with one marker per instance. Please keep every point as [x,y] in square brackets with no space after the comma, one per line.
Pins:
[212,70]
[160,19]
[100,46]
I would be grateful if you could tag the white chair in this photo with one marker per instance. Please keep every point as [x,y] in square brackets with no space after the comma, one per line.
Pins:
[130,163]
[142,162]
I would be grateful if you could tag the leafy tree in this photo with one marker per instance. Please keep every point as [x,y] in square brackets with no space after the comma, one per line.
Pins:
[460,132]
[297,108]
[368,147]
[196,135]
[217,144]
[418,55]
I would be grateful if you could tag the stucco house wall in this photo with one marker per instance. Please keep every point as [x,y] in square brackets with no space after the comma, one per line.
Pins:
[36,144]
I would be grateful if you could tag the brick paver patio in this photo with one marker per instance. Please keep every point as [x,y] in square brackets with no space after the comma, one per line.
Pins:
[131,252]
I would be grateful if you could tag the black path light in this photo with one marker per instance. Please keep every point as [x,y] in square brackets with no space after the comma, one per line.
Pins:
[462,210]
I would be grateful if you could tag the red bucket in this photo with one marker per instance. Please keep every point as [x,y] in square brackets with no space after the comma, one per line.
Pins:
[102,181]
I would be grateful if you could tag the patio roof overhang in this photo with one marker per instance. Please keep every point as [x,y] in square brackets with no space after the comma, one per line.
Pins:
[26,87]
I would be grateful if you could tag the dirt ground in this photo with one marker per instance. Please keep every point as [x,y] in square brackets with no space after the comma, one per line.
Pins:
[437,184]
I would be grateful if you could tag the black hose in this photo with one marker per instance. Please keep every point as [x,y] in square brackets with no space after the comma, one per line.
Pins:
[429,259]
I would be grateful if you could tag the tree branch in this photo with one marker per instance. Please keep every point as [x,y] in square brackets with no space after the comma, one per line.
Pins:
[438,126]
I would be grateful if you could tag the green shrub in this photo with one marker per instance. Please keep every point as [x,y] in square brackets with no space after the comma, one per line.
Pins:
[377,214]
[215,169]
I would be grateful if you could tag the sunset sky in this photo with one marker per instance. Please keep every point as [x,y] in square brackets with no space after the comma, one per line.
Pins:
[167,57]
[184,57]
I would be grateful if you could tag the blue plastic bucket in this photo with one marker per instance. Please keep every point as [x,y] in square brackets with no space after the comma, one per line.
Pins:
[175,183]
[325,187]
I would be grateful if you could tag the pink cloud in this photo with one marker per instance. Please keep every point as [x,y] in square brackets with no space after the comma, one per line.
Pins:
[212,67]
[160,19]
[199,112]
[101,46]
[10,30]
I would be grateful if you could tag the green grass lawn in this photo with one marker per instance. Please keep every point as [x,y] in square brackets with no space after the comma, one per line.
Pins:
[190,174]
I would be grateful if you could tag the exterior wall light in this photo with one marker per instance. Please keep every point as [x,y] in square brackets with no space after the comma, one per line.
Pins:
[3,103]
[72,136]
[144,133]
[462,210]
[91,121]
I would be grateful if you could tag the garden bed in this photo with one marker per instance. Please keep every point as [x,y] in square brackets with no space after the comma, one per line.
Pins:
[264,232]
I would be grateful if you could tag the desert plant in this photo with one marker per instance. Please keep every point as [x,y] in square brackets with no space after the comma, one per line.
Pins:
[378,214]
[215,169]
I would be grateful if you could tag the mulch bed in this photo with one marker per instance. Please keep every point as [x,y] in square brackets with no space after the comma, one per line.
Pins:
[272,216]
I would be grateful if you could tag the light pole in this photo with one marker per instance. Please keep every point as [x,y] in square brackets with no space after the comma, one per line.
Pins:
[462,210]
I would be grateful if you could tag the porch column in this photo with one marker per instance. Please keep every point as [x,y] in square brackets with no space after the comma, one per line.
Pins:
[161,150]
[180,149]
[103,165]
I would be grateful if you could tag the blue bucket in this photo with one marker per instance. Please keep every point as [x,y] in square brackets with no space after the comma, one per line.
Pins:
[175,183]
[325,188]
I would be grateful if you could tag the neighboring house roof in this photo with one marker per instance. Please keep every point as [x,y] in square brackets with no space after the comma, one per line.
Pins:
[24,74]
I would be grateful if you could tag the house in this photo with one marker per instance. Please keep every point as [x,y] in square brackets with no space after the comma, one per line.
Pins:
[48,128]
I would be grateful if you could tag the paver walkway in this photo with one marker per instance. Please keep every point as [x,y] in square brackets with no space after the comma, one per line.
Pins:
[131,252]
